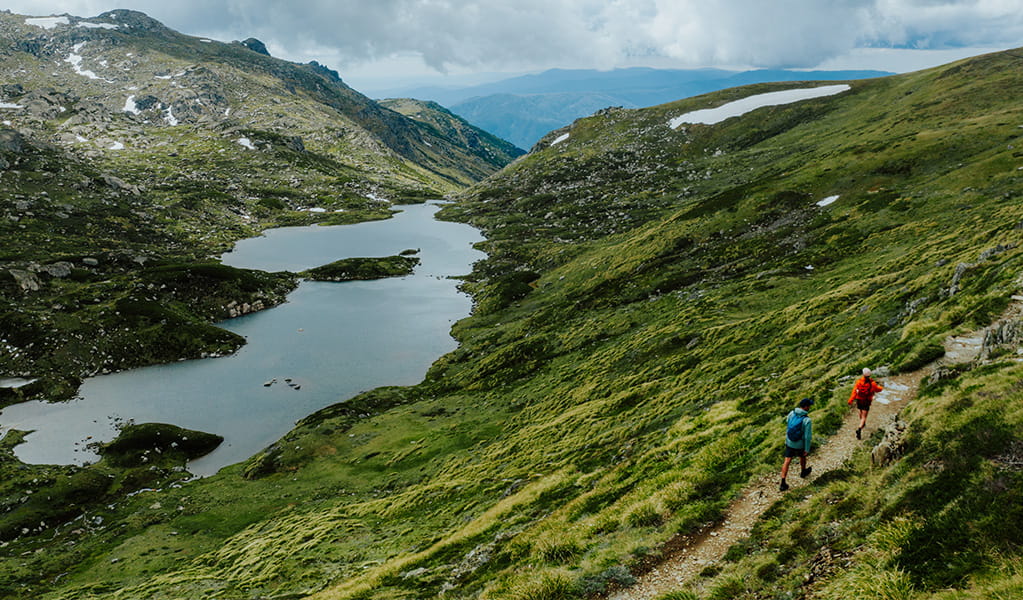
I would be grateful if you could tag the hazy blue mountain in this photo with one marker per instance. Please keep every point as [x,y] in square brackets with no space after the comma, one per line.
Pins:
[522,109]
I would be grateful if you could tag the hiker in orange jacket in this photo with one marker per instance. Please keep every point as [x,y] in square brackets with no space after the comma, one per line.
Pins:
[863,394]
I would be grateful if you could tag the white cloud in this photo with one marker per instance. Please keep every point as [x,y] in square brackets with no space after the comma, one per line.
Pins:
[503,35]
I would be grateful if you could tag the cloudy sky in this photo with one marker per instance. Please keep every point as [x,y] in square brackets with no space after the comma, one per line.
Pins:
[377,44]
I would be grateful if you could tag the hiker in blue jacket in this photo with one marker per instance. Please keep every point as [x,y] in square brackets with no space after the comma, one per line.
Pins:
[798,436]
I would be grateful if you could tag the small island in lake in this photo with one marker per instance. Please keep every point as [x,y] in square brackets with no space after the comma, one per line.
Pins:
[350,269]
[157,442]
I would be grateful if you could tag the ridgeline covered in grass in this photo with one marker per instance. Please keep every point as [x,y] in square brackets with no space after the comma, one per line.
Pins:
[654,301]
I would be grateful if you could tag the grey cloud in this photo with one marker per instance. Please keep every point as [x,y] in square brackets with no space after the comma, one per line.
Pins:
[597,33]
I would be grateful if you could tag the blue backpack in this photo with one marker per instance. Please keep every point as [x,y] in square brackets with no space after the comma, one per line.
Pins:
[795,429]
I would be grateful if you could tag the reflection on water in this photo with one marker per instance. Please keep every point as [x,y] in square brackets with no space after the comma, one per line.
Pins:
[332,340]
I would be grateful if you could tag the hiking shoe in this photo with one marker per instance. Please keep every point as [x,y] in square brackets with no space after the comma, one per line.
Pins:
[805,472]
[858,434]
[784,486]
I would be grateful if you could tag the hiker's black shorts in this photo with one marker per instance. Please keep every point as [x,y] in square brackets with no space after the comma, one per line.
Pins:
[863,405]
[791,452]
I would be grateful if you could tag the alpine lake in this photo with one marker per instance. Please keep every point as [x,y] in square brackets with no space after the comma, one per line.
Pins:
[327,343]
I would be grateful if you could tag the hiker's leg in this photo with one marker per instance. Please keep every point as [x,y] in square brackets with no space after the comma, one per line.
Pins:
[785,467]
[802,461]
[863,418]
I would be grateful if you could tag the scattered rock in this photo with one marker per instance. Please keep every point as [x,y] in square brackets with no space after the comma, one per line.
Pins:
[120,184]
[57,270]
[26,280]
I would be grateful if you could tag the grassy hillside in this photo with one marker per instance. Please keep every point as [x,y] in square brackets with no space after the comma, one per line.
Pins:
[654,301]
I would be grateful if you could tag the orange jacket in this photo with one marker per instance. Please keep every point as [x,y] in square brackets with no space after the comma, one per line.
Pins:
[866,387]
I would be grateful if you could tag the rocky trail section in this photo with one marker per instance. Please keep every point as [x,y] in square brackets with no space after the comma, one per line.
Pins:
[690,554]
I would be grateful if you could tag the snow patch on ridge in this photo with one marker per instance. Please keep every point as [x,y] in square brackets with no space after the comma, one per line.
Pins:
[47,22]
[9,105]
[827,201]
[91,25]
[711,116]
[560,139]
[244,141]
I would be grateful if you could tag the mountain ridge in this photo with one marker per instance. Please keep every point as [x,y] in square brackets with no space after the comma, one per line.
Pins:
[522,109]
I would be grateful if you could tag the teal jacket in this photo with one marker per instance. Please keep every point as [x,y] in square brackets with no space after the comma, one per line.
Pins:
[804,444]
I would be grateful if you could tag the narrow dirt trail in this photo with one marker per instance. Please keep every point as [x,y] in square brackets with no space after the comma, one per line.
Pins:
[688,555]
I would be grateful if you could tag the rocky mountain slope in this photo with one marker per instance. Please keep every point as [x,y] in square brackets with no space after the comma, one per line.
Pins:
[132,153]
[491,150]
[655,299]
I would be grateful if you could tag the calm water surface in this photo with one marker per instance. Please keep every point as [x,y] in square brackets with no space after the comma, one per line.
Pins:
[333,340]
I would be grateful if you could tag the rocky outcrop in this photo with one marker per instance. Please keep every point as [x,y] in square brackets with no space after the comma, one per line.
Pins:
[255,45]
[27,281]
[237,309]
[1008,333]
[11,141]
[892,445]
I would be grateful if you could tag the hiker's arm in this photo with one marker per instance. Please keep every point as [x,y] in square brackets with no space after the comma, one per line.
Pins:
[807,434]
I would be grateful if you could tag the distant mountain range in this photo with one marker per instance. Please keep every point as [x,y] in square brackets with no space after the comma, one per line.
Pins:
[523,109]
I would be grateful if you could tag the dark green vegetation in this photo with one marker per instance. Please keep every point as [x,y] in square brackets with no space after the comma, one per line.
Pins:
[653,303]
[349,269]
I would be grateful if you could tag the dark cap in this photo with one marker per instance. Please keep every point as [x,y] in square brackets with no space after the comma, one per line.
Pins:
[805,403]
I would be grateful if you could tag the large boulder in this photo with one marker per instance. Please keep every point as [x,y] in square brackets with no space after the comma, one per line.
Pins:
[11,141]
[256,46]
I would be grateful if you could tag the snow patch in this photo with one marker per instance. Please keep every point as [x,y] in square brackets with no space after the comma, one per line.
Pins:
[90,25]
[75,60]
[560,139]
[162,76]
[47,22]
[710,116]
[117,146]
[9,105]
[244,141]
[827,201]
[80,138]
[206,41]
[168,115]
[130,106]
[317,209]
